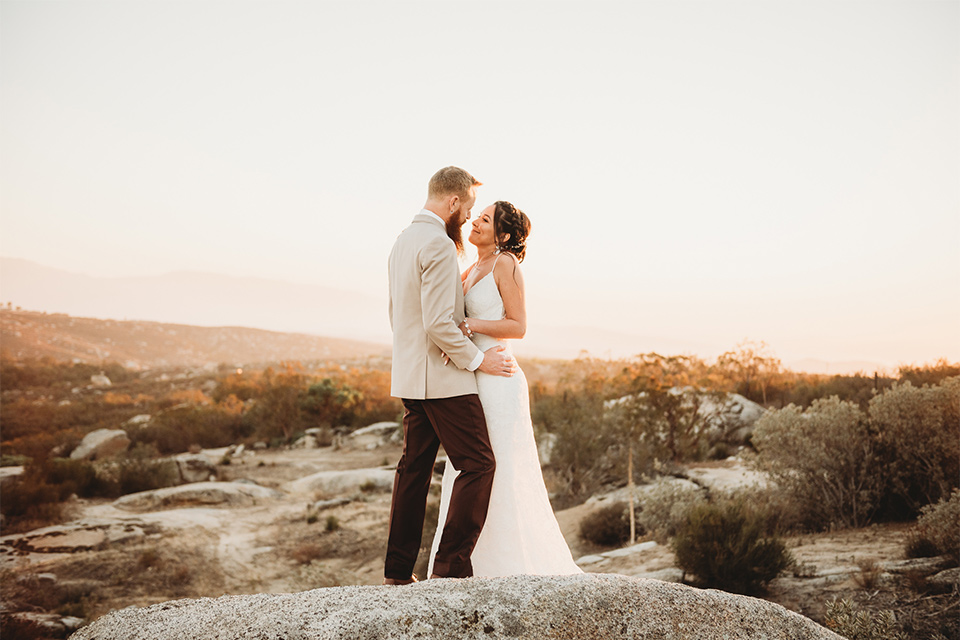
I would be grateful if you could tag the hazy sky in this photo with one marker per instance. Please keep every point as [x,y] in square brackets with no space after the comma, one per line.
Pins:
[696,172]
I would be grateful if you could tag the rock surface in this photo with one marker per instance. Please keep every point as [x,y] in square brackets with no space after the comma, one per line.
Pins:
[587,606]
[376,435]
[945,580]
[194,467]
[336,482]
[198,493]
[100,444]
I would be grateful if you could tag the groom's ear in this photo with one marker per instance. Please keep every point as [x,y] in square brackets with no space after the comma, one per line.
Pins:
[452,202]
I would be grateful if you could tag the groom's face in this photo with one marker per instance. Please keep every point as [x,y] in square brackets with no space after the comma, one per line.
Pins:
[466,206]
[459,216]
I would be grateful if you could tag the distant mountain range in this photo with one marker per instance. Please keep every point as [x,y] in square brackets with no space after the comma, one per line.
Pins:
[202,299]
[140,344]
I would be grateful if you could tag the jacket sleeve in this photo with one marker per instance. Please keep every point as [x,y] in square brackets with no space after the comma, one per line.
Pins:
[438,299]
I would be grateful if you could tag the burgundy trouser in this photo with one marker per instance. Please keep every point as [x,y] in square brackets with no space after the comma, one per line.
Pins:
[458,424]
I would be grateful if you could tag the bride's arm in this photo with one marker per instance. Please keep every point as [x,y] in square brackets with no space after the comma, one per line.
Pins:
[509,281]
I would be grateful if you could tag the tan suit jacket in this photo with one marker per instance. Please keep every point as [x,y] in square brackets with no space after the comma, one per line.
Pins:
[426,309]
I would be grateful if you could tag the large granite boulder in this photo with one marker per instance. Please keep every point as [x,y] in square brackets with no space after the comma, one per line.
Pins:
[580,607]
[100,444]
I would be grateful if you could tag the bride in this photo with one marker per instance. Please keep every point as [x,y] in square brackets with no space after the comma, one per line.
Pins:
[521,535]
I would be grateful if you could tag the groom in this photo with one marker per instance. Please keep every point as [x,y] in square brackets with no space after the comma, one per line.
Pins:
[440,401]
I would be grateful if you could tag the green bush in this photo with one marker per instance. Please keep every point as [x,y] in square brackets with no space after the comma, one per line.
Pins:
[938,530]
[918,429]
[725,547]
[175,430]
[827,457]
[608,526]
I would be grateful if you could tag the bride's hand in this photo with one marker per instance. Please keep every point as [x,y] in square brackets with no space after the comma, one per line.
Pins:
[446,358]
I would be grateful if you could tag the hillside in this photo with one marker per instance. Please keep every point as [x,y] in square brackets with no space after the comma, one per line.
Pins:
[146,345]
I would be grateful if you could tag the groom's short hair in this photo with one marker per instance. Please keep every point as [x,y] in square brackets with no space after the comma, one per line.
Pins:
[451,181]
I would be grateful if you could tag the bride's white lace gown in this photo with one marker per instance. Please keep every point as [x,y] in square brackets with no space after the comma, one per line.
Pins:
[521,534]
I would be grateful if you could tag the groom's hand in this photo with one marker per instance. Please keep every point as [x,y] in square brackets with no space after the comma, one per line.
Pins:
[497,363]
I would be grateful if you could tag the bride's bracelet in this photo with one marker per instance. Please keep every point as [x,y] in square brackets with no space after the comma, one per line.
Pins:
[466,325]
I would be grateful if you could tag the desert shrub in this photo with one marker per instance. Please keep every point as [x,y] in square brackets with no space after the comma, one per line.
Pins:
[870,571]
[608,526]
[30,502]
[827,457]
[783,512]
[579,457]
[919,375]
[13,461]
[306,552]
[938,530]
[34,498]
[72,477]
[725,547]
[664,507]
[22,629]
[330,402]
[175,430]
[919,432]
[142,471]
[332,524]
[46,372]
[844,619]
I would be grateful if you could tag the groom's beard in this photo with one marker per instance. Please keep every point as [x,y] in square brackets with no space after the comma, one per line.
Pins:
[455,232]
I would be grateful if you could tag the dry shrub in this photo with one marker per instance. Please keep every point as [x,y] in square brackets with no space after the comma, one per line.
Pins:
[332,524]
[16,627]
[26,592]
[726,547]
[608,526]
[664,507]
[869,575]
[827,457]
[937,531]
[126,573]
[919,429]
[307,552]
[916,581]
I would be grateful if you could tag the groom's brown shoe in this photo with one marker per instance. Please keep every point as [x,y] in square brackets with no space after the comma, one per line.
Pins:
[398,582]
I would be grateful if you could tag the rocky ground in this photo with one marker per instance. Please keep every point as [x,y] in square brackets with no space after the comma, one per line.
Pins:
[279,521]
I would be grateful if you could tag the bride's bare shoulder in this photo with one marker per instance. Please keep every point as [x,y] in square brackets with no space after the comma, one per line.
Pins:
[507,269]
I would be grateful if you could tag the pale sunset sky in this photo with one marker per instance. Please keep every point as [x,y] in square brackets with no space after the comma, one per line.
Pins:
[697,173]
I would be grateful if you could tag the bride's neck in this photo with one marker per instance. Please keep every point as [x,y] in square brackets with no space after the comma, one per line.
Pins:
[484,253]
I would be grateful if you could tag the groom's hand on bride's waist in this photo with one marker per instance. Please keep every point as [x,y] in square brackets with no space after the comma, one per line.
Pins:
[497,363]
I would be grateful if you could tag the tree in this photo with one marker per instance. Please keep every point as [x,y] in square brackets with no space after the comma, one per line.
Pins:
[277,410]
[328,402]
[752,368]
[661,416]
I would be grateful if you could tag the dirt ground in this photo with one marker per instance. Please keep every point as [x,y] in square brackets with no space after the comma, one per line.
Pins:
[285,545]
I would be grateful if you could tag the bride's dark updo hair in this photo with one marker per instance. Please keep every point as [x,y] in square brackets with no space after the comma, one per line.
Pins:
[507,219]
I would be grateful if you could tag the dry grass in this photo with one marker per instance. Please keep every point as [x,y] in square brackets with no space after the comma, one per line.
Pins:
[138,574]
[869,575]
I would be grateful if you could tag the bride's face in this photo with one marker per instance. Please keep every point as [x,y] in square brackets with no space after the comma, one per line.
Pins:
[481,233]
